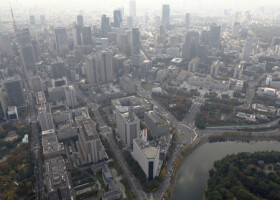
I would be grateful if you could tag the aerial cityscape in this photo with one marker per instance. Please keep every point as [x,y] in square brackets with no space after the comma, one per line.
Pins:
[145,100]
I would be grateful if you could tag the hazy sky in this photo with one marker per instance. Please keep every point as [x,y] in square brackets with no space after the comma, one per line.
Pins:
[183,5]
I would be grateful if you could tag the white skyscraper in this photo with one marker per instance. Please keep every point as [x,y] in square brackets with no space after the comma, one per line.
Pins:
[71,96]
[92,73]
[106,66]
[132,8]
[45,118]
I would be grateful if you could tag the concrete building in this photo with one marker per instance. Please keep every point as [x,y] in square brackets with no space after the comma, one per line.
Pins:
[209,83]
[57,179]
[51,147]
[66,131]
[105,28]
[56,94]
[147,157]
[127,84]
[36,84]
[6,46]
[71,96]
[87,36]
[157,124]
[106,92]
[247,49]
[132,8]
[214,36]
[215,68]
[58,69]
[187,22]
[238,70]
[193,64]
[12,112]
[106,66]
[92,70]
[89,144]
[80,20]
[77,35]
[45,118]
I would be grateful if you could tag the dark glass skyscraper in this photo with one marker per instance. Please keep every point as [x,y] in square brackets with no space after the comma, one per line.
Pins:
[80,20]
[104,25]
[86,36]
[117,18]
[14,91]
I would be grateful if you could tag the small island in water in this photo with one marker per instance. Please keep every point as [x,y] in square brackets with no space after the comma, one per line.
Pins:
[250,176]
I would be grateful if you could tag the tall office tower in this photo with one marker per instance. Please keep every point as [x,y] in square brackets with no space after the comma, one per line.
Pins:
[117,18]
[187,20]
[71,96]
[132,8]
[86,36]
[214,36]
[80,20]
[92,73]
[128,126]
[105,25]
[58,69]
[36,84]
[238,71]
[61,40]
[215,68]
[191,45]
[236,29]
[130,22]
[35,50]
[165,15]
[106,66]
[14,90]
[43,20]
[104,43]
[76,33]
[247,49]
[45,118]
[135,57]
[135,41]
[32,20]
[6,46]
[193,64]
[124,45]
[90,146]
[27,58]
[23,36]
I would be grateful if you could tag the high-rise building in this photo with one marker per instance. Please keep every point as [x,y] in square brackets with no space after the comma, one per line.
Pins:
[117,18]
[147,157]
[35,50]
[214,36]
[190,46]
[236,29]
[58,69]
[104,43]
[247,49]
[132,8]
[43,19]
[128,126]
[106,66]
[165,15]
[92,73]
[135,41]
[124,45]
[45,118]
[215,68]
[14,90]
[187,22]
[6,46]
[23,36]
[80,20]
[36,84]
[193,64]
[90,146]
[238,71]
[105,25]
[71,96]
[32,20]
[61,40]
[77,35]
[27,57]
[86,36]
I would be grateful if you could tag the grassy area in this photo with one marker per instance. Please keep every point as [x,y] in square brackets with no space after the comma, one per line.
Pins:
[148,86]
[129,195]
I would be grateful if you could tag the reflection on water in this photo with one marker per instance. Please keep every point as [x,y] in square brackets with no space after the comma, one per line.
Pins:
[192,177]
